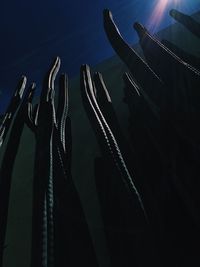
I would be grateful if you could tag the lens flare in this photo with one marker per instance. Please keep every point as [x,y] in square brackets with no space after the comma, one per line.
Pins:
[159,10]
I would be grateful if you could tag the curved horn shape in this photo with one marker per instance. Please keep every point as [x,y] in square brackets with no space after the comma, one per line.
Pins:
[192,25]
[181,78]
[48,86]
[109,139]
[140,70]
[8,162]
[63,106]
[13,106]
[43,192]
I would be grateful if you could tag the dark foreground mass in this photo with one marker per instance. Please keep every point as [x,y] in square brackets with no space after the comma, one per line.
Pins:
[147,186]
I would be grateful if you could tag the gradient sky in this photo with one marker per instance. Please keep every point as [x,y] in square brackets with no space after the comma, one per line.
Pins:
[34,32]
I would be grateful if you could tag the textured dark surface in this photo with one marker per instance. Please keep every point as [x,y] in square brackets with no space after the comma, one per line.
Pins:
[168,195]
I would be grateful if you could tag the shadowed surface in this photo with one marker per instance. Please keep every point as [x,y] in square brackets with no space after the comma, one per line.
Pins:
[83,137]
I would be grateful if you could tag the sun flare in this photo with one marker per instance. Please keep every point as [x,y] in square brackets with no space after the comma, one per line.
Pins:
[159,10]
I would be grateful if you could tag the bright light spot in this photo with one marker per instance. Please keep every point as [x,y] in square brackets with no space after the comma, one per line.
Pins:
[159,10]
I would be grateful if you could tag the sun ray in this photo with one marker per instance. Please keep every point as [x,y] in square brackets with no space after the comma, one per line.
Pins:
[158,12]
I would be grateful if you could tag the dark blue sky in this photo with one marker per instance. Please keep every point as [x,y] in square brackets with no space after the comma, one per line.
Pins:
[34,32]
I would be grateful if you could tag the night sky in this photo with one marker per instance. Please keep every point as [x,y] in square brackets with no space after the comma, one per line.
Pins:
[34,32]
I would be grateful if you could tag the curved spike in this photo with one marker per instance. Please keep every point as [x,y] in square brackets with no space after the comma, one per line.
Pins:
[126,53]
[28,99]
[31,92]
[129,82]
[47,93]
[21,87]
[36,113]
[102,93]
[12,108]
[63,106]
[105,104]
[174,71]
[53,73]
[192,25]
[131,95]
[8,161]
[3,128]
[137,66]
[17,96]
[29,118]
[109,139]
[43,209]
[151,46]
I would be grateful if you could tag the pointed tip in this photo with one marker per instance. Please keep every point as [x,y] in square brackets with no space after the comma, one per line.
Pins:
[140,29]
[21,86]
[33,85]
[82,67]
[130,83]
[106,11]
[57,62]
[125,75]
[23,79]
[97,74]
[138,26]
[85,67]
[107,14]
[172,12]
